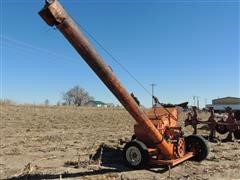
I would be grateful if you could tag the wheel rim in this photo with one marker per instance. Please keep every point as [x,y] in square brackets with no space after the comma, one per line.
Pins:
[198,146]
[195,148]
[221,129]
[181,147]
[133,156]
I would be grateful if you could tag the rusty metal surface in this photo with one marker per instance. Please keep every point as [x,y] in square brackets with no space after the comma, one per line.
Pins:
[231,124]
[54,14]
[172,162]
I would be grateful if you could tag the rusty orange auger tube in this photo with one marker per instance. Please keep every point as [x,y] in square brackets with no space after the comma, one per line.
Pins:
[54,15]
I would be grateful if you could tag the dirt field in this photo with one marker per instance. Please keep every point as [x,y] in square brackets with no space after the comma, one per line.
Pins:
[83,143]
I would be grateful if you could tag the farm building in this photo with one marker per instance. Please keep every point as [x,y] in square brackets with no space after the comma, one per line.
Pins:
[96,104]
[221,103]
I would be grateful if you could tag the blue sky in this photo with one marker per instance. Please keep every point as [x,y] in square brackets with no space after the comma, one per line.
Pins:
[186,47]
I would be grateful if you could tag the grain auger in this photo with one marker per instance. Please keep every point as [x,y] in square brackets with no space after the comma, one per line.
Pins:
[229,123]
[157,139]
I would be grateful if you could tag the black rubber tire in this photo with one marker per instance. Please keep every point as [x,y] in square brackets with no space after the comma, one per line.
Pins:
[237,134]
[221,129]
[199,144]
[133,137]
[237,115]
[143,151]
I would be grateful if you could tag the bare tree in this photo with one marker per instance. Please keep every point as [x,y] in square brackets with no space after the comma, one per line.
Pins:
[76,96]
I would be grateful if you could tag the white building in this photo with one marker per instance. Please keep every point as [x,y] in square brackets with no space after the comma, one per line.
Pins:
[221,103]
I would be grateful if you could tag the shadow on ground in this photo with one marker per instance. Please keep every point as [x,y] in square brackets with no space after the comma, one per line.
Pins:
[109,159]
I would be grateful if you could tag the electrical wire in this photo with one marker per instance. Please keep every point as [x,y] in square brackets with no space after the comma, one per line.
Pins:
[28,52]
[28,46]
[123,67]
[56,55]
[113,58]
[31,49]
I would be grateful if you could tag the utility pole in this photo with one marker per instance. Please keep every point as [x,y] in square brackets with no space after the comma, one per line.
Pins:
[198,102]
[153,85]
[194,100]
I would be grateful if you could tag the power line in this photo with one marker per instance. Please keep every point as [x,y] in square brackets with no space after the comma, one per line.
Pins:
[21,43]
[29,48]
[30,52]
[113,58]
[56,55]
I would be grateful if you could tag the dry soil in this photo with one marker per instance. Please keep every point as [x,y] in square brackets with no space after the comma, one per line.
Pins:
[40,142]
